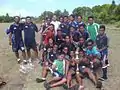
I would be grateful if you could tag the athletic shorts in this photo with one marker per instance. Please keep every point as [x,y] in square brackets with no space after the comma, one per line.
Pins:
[57,74]
[18,46]
[30,44]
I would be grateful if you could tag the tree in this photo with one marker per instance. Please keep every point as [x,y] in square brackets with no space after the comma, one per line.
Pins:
[83,11]
[58,13]
[65,13]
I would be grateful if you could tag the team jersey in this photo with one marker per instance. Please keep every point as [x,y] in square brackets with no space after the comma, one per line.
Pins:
[93,30]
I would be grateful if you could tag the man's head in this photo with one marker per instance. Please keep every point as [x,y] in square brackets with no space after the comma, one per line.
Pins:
[28,19]
[51,27]
[81,40]
[72,53]
[61,19]
[17,19]
[65,50]
[102,29]
[55,47]
[72,28]
[72,17]
[82,53]
[90,19]
[54,18]
[90,44]
[59,32]
[51,41]
[79,18]
[61,56]
[65,18]
[67,39]
[81,27]
[48,20]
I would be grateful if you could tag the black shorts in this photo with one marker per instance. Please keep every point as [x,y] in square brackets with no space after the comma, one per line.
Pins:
[31,45]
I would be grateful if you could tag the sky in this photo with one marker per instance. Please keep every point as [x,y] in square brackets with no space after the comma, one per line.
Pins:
[36,7]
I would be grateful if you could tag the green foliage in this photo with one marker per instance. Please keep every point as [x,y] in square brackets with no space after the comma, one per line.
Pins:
[107,13]
[6,18]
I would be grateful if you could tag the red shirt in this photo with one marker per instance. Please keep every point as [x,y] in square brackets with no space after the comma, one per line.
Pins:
[49,34]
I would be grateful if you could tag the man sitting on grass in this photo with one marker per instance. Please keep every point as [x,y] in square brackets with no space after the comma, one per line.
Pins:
[60,68]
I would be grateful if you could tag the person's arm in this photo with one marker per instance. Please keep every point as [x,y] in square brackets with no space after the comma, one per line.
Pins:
[105,44]
[10,35]
[54,65]
[66,67]
[36,28]
[10,38]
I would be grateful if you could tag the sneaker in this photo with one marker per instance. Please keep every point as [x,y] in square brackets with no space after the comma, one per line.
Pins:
[38,80]
[19,60]
[101,79]
[30,60]
[31,65]
[65,86]
[24,61]
[99,85]
[45,84]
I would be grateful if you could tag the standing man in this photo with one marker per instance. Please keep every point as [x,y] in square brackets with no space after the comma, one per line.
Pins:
[16,40]
[72,21]
[92,28]
[55,23]
[29,38]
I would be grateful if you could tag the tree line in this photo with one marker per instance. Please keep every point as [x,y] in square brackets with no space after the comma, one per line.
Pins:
[106,13]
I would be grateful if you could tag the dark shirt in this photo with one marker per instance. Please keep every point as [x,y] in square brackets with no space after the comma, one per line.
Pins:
[102,41]
[84,34]
[70,46]
[29,32]
[16,30]
[64,28]
[59,39]
[52,56]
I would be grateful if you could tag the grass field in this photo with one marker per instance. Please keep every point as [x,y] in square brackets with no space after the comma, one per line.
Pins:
[9,69]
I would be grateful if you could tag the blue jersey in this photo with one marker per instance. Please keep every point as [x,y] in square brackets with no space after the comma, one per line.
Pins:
[16,30]
[29,32]
[74,24]
[64,28]
[93,51]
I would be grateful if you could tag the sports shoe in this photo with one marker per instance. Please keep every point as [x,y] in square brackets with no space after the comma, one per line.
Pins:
[24,61]
[19,60]
[38,80]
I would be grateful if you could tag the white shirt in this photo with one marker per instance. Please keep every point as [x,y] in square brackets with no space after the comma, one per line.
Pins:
[56,24]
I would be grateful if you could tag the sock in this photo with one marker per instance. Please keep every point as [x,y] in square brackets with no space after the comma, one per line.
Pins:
[104,73]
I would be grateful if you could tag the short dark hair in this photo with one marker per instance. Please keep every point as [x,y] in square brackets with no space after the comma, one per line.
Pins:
[81,25]
[90,41]
[72,15]
[17,17]
[102,26]
[28,17]
[90,17]
[80,16]
[66,16]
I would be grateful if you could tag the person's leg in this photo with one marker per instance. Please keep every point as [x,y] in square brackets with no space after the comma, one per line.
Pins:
[58,83]
[28,53]
[69,78]
[35,52]
[44,71]
[24,55]
[44,75]
[17,55]
[104,73]
[91,75]
[54,79]
[79,79]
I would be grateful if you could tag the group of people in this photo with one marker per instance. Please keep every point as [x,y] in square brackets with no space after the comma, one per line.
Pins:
[69,49]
